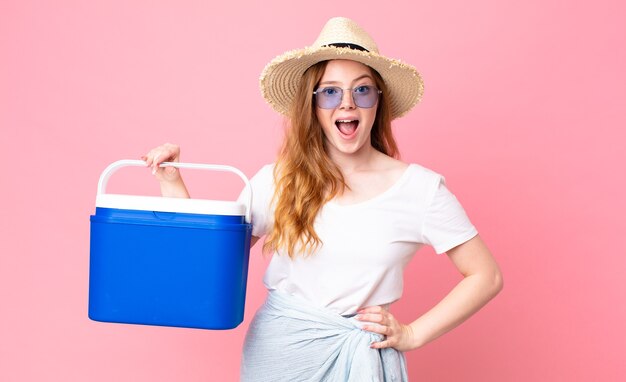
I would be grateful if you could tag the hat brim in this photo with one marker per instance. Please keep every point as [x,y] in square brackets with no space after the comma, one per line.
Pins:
[280,78]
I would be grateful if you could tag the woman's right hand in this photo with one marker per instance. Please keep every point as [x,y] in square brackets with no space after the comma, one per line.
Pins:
[172,184]
[167,152]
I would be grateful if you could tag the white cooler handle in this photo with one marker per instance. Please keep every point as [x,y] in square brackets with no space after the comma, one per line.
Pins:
[106,174]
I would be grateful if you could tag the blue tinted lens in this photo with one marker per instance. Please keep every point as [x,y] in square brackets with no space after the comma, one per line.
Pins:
[365,96]
[329,98]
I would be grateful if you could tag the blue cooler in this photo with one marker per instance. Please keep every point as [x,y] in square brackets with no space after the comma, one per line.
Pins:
[169,261]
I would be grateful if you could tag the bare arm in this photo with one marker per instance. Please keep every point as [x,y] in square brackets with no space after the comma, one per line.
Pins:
[482,280]
[169,178]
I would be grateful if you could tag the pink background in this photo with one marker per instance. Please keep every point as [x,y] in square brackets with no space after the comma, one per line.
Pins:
[524,113]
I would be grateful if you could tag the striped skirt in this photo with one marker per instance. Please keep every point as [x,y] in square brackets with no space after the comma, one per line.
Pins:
[290,340]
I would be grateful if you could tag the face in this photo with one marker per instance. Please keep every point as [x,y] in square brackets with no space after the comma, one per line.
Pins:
[347,127]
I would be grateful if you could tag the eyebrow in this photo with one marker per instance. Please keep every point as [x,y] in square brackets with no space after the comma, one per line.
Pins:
[339,82]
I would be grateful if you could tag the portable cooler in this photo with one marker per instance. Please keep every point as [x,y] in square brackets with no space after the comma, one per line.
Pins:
[169,261]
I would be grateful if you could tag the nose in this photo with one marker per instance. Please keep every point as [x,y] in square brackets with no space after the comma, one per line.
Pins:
[347,102]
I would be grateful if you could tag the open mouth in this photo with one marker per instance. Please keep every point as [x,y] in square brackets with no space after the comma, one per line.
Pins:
[347,127]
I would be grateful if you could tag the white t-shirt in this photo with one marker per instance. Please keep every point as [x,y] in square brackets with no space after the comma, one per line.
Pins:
[365,245]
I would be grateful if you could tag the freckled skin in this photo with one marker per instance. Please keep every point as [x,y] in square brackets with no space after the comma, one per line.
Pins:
[347,74]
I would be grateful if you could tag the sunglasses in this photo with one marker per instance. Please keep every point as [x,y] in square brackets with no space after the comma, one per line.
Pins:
[364,96]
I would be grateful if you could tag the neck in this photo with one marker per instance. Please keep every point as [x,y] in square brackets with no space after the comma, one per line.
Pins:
[362,159]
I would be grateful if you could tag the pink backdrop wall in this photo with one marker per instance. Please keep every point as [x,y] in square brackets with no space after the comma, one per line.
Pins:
[523,113]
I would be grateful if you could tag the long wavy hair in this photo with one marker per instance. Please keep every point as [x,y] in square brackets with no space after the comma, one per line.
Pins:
[305,176]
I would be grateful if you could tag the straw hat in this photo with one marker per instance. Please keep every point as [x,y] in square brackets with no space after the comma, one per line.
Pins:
[341,38]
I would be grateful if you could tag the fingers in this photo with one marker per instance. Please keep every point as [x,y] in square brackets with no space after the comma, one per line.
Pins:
[380,321]
[380,329]
[373,314]
[381,345]
[372,317]
[164,153]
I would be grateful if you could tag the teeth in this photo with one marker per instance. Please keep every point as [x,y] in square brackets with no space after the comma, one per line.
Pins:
[345,120]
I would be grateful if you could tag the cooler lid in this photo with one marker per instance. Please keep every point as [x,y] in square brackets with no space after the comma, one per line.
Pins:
[165,204]
[241,207]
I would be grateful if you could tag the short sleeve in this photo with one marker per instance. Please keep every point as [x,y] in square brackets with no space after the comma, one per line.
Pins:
[446,224]
[262,192]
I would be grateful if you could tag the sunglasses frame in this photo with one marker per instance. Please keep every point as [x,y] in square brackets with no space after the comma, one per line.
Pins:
[373,87]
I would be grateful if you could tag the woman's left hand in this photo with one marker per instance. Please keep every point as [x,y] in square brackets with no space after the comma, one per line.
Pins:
[381,321]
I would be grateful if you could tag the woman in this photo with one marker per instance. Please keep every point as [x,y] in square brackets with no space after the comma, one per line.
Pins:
[343,217]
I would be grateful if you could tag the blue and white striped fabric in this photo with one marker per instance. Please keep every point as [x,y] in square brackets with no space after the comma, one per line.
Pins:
[290,340]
